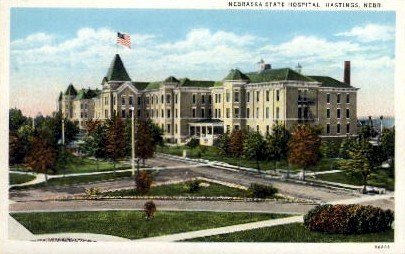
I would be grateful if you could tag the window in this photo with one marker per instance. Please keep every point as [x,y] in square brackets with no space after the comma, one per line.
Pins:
[203,99]
[162,113]
[216,98]
[338,128]
[236,127]
[114,99]
[168,128]
[338,98]
[168,113]
[347,98]
[219,113]
[168,98]
[306,113]
[236,112]
[257,112]
[81,115]
[123,113]
[177,113]
[194,98]
[247,96]
[139,113]
[267,112]
[248,113]
[163,127]
[328,113]
[162,99]
[219,98]
[228,95]
[209,99]
[228,128]
[299,113]
[328,98]
[347,113]
[278,95]
[277,113]
[193,112]
[131,100]
[227,113]
[209,113]
[236,94]
[348,128]
[81,106]
[327,128]
[122,100]
[299,95]
[175,128]
[202,113]
[257,128]
[176,98]
[257,95]
[267,95]
[216,113]
[338,113]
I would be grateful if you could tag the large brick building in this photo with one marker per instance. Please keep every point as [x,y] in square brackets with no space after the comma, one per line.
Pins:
[186,108]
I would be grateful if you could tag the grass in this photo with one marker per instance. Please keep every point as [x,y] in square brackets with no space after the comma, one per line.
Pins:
[72,180]
[380,178]
[212,153]
[20,178]
[132,224]
[180,189]
[295,232]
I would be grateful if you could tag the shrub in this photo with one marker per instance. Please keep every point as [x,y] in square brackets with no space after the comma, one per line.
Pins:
[193,143]
[150,209]
[143,182]
[193,186]
[93,191]
[261,191]
[348,219]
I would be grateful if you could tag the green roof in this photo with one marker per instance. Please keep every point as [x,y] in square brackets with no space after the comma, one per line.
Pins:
[196,83]
[71,90]
[60,96]
[236,74]
[218,83]
[140,85]
[330,82]
[283,74]
[117,71]
[153,85]
[87,94]
[171,79]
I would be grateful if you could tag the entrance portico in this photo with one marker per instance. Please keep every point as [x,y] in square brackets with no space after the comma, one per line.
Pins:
[206,130]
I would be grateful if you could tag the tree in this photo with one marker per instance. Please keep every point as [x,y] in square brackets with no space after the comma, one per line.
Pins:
[346,145]
[236,143]
[115,139]
[42,156]
[388,143]
[16,119]
[253,147]
[361,162]
[223,144]
[277,143]
[145,145]
[95,140]
[330,148]
[156,132]
[304,147]
[366,132]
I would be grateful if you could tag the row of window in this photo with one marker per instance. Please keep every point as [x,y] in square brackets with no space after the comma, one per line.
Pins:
[338,113]
[338,128]
[338,98]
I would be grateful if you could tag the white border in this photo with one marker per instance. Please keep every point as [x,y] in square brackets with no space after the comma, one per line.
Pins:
[7,246]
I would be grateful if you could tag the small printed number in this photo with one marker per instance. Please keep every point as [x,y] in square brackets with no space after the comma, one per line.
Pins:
[382,246]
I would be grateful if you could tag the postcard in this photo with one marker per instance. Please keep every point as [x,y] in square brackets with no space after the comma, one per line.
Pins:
[202,127]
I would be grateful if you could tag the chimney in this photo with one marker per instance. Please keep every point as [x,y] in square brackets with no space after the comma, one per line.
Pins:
[346,78]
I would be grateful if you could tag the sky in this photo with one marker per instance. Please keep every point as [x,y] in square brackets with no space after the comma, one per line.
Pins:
[51,48]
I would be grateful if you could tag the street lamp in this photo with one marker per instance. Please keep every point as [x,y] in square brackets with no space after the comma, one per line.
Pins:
[132,140]
[63,131]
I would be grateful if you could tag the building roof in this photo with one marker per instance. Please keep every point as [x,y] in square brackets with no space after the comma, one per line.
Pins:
[283,74]
[87,94]
[330,82]
[140,85]
[196,83]
[236,74]
[117,71]
[171,79]
[71,90]
[60,96]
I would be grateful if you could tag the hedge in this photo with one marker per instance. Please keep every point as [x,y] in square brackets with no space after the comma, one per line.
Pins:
[261,191]
[348,219]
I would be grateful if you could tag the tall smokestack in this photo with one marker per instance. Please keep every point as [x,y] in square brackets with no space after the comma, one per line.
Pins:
[346,78]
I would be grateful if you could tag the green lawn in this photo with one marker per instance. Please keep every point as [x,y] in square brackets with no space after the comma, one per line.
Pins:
[20,178]
[212,153]
[132,224]
[72,180]
[214,190]
[295,232]
[380,178]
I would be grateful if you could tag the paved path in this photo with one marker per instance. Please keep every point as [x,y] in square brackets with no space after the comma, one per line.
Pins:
[39,178]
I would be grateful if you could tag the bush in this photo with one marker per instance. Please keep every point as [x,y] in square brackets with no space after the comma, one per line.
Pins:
[143,182]
[193,143]
[93,191]
[348,219]
[193,186]
[150,209]
[261,191]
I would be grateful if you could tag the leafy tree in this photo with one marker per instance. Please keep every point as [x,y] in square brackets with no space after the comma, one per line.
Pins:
[236,143]
[223,144]
[42,156]
[361,162]
[143,181]
[53,126]
[16,155]
[366,132]
[330,148]
[16,119]
[145,146]
[149,209]
[277,143]
[115,139]
[156,132]
[254,146]
[95,140]
[304,147]
[347,144]
[388,143]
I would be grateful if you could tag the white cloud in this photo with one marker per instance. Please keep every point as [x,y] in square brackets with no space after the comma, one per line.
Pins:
[370,33]
[33,40]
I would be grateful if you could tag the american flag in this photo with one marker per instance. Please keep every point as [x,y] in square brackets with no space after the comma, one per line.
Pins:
[124,39]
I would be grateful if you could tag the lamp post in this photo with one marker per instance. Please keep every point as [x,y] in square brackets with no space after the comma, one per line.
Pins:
[63,131]
[132,140]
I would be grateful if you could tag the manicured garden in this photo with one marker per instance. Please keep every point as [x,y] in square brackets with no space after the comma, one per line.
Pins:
[296,232]
[132,224]
[182,189]
[20,178]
